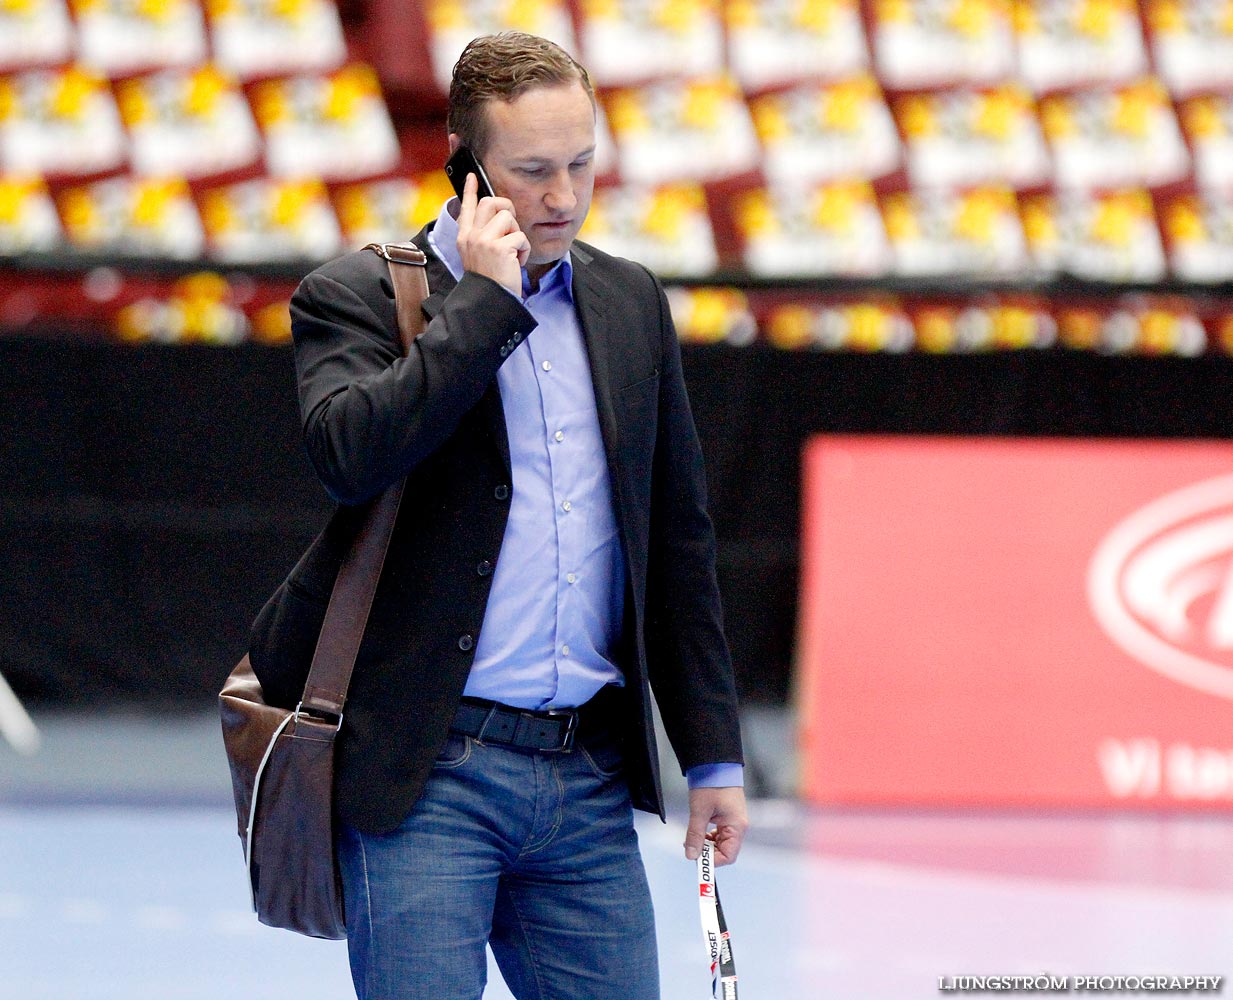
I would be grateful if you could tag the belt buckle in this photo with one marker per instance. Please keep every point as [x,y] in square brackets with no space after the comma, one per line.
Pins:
[567,740]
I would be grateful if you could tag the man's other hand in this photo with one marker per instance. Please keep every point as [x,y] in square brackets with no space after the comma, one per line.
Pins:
[723,807]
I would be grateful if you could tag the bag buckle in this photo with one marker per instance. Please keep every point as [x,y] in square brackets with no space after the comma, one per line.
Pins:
[318,715]
[399,253]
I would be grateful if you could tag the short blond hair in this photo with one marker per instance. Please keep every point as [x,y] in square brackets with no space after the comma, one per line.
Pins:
[502,67]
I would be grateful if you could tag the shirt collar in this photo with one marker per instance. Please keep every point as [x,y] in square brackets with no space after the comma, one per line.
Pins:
[443,239]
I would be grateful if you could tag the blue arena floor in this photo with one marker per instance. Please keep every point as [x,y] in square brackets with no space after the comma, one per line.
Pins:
[121,879]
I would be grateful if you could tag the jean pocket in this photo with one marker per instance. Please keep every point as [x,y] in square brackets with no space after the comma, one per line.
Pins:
[604,757]
[455,753]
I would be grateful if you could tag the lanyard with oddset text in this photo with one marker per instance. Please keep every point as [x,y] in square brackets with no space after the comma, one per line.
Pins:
[715,928]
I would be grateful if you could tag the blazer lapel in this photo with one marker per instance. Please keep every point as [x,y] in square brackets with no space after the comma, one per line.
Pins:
[593,297]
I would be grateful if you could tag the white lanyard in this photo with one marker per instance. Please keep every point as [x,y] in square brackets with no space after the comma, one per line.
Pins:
[714,927]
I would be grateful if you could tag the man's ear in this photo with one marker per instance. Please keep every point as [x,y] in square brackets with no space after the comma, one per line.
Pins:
[455,142]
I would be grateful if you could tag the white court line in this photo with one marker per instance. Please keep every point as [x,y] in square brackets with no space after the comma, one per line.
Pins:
[234,922]
[163,918]
[84,911]
[148,916]
[798,861]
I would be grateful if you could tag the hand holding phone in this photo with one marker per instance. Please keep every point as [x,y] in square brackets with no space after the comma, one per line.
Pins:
[489,240]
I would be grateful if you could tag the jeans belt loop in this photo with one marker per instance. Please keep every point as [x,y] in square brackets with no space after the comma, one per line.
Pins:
[492,710]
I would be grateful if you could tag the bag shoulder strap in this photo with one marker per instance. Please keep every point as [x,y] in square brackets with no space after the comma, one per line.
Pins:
[329,676]
[409,274]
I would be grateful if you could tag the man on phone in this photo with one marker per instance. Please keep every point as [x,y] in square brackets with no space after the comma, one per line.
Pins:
[552,565]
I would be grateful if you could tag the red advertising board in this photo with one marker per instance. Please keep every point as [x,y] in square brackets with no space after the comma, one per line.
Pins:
[1017,622]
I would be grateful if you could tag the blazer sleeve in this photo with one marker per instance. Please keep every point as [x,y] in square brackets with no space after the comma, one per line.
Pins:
[369,414]
[688,662]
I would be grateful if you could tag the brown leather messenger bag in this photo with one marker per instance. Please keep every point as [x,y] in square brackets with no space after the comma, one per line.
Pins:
[282,760]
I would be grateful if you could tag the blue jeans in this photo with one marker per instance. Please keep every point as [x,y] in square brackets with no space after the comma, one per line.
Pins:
[534,854]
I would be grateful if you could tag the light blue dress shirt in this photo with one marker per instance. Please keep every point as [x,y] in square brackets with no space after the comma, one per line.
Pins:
[557,601]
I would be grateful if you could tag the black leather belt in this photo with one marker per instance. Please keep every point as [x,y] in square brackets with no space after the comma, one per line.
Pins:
[502,725]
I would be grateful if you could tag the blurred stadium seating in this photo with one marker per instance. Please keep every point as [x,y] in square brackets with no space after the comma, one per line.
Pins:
[941,175]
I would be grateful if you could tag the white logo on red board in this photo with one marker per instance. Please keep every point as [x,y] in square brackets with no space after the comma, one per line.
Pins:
[1161,585]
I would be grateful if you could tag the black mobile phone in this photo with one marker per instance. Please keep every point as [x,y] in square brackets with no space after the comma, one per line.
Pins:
[463,162]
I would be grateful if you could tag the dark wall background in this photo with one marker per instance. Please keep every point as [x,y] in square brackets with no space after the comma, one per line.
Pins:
[153,496]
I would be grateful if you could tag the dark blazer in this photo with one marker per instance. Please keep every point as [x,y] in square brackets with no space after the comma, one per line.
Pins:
[371,416]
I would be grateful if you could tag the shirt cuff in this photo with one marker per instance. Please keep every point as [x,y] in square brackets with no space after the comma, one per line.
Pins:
[716,776]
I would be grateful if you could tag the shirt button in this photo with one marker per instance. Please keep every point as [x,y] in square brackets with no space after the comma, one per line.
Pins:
[465,642]
[501,492]
[484,568]
[571,578]
[547,366]
[567,506]
[559,436]
[565,651]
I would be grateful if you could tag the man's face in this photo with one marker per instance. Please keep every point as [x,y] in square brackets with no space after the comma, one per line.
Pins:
[541,156]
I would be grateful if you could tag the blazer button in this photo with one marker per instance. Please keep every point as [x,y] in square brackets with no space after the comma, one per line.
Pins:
[465,642]
[501,492]
[484,568]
